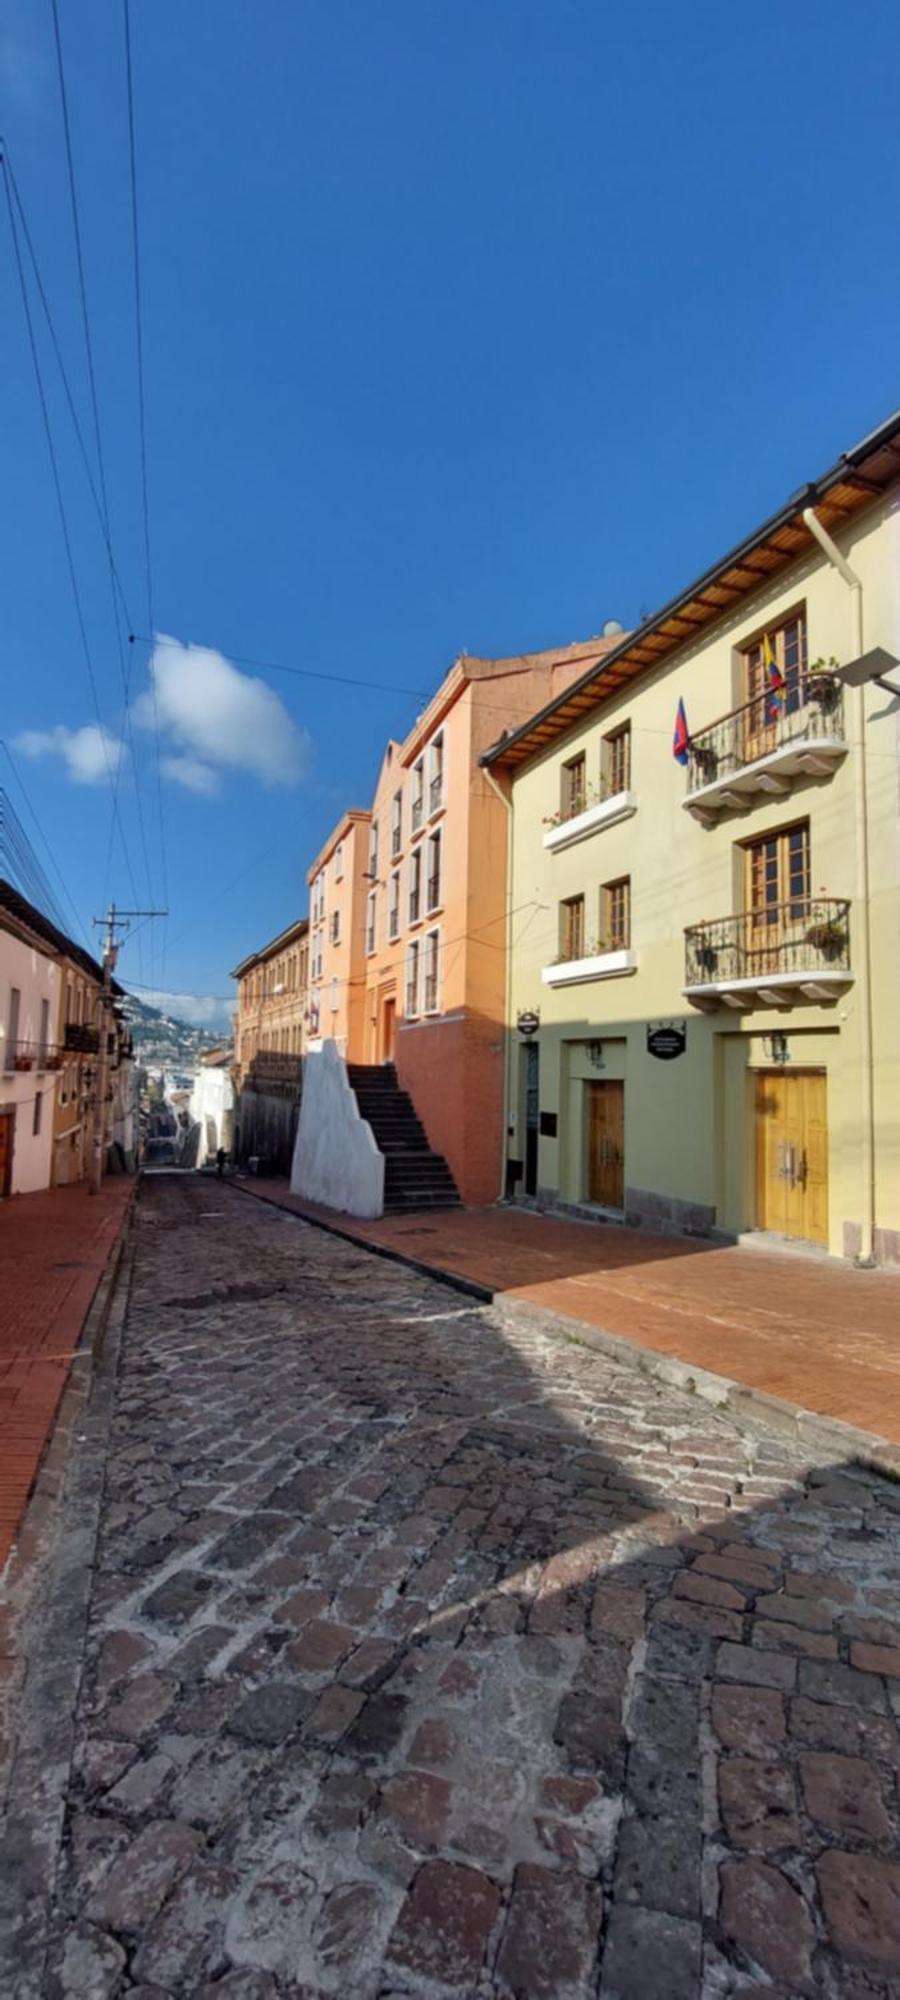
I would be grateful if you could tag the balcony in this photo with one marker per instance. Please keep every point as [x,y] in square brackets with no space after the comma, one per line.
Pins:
[754,753]
[31,1055]
[82,1040]
[586,814]
[778,956]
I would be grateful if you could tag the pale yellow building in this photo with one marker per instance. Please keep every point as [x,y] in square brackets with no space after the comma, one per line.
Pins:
[271,1017]
[712,950]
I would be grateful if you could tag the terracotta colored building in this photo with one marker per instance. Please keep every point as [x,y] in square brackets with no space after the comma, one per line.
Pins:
[272,999]
[409,909]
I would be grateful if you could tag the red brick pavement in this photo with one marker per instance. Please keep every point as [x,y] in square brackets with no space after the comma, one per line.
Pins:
[809,1329]
[53,1250]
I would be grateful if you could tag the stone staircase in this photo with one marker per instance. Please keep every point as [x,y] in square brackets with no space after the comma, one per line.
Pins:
[415,1178]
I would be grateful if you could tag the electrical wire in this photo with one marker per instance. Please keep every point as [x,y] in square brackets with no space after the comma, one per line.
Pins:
[64,523]
[54,863]
[142,417]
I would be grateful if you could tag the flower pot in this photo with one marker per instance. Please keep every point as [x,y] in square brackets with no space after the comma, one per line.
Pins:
[829,939]
[24,1062]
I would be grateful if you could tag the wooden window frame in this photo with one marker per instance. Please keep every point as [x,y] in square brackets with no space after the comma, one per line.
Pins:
[615,914]
[758,906]
[615,761]
[572,801]
[571,928]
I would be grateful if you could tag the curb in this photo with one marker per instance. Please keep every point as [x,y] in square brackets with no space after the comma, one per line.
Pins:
[750,1409]
[47,1588]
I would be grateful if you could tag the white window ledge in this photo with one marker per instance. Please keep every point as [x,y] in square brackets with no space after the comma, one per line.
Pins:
[605,965]
[607,812]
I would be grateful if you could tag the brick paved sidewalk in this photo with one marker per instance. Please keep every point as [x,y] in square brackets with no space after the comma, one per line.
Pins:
[805,1328]
[53,1250]
[429,1657]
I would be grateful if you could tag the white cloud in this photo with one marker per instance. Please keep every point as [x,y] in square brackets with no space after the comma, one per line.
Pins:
[199,1010]
[194,776]
[218,717]
[90,754]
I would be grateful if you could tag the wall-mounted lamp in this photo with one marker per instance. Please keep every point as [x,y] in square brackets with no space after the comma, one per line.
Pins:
[595,1052]
[776,1047]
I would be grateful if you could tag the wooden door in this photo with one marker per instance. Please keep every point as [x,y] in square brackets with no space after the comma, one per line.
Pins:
[7,1122]
[388,1024]
[606,1144]
[763,712]
[792,1154]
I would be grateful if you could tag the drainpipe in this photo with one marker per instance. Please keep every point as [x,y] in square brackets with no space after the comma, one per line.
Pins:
[866,1255]
[507,1025]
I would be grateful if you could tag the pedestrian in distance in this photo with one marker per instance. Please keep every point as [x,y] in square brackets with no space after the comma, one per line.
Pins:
[221,1157]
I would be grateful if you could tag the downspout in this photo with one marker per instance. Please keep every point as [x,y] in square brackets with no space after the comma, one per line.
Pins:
[866,1255]
[507,1023]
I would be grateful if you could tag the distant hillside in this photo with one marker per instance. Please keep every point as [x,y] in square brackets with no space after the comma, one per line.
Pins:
[162,1039]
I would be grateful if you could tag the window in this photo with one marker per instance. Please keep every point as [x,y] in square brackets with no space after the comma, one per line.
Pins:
[615,915]
[394,906]
[615,761]
[373,850]
[36,1118]
[396,824]
[436,787]
[370,922]
[412,978]
[418,795]
[432,962]
[12,1027]
[415,885]
[777,878]
[434,871]
[335,931]
[45,1034]
[571,928]
[339,862]
[574,787]
[784,646]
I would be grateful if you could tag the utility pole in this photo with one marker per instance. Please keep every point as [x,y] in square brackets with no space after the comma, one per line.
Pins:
[114,921]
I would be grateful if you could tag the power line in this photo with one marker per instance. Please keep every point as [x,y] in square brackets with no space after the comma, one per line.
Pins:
[21,784]
[302,673]
[142,415]
[63,518]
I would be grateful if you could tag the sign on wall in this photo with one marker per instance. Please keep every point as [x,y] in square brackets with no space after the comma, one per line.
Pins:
[667,1040]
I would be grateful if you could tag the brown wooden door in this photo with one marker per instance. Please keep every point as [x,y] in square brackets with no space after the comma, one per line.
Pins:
[606,1144]
[388,1025]
[7,1119]
[792,1154]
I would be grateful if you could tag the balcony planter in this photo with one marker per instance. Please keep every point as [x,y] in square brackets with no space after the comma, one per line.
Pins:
[707,762]
[707,957]
[23,1062]
[564,832]
[598,965]
[53,1062]
[828,938]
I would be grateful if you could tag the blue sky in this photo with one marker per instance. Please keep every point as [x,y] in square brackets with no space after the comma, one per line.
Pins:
[465,326]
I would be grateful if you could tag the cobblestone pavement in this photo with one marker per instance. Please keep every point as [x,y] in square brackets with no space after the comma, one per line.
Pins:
[429,1655]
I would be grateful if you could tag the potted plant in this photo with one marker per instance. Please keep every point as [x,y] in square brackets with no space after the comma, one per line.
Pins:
[707,955]
[53,1062]
[821,685]
[706,760]
[24,1062]
[828,936]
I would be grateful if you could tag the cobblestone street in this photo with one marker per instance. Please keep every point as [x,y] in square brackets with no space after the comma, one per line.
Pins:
[429,1654]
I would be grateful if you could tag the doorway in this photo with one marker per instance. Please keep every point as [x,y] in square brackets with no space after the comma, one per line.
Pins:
[606,1144]
[532,1055]
[792,1154]
[388,1028]
[7,1130]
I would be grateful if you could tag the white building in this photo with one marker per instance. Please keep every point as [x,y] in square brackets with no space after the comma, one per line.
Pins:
[212,1106]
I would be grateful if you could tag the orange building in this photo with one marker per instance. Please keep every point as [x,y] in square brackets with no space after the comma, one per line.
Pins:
[409,906]
[272,1000]
[337,901]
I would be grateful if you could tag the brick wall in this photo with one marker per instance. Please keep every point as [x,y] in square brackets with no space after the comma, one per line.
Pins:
[453,1070]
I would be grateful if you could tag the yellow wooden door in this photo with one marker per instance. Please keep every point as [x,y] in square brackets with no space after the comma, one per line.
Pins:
[606,1144]
[792,1154]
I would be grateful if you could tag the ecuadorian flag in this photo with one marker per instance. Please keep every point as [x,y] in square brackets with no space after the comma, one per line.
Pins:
[774,682]
[680,739]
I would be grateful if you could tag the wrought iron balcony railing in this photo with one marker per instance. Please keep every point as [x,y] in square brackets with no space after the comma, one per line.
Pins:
[806,711]
[31,1055]
[396,841]
[803,938]
[418,808]
[436,792]
[81,1039]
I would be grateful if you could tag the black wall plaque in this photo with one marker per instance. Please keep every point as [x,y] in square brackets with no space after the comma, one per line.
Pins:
[667,1041]
[548,1124]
